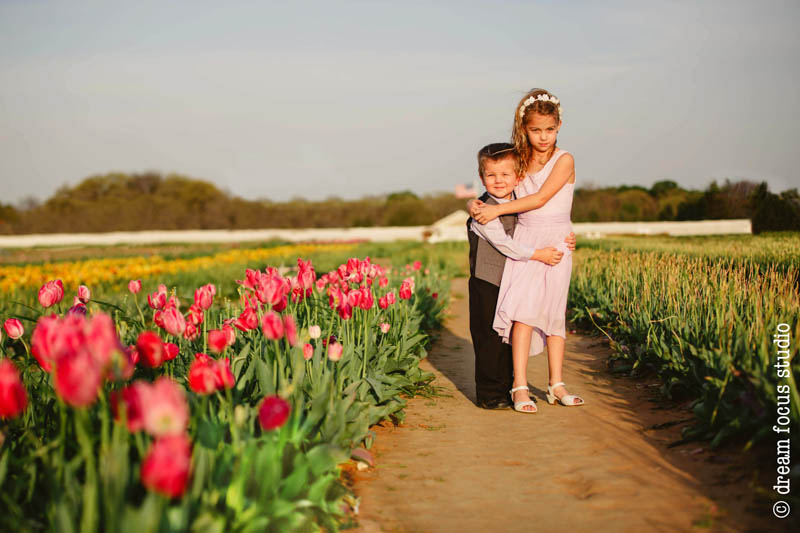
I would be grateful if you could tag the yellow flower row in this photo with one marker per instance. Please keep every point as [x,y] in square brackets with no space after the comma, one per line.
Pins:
[95,271]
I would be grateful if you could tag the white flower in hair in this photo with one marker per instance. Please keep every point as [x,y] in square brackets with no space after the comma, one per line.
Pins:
[540,97]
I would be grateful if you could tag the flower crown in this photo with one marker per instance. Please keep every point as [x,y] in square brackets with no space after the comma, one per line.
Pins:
[543,97]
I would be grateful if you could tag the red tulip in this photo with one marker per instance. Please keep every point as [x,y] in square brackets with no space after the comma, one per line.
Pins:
[417,265]
[247,320]
[191,332]
[84,294]
[51,293]
[345,311]
[290,328]
[382,302]
[308,351]
[230,333]
[78,377]
[157,300]
[171,351]
[195,314]
[174,322]
[281,305]
[273,413]
[164,408]
[166,467]
[223,374]
[384,281]
[202,378]
[130,398]
[390,298]
[13,398]
[272,326]
[151,348]
[367,299]
[135,286]
[217,340]
[14,328]
[335,351]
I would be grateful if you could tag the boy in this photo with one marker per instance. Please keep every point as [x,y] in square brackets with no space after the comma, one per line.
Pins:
[489,244]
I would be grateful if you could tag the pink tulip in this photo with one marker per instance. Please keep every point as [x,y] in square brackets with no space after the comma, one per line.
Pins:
[308,351]
[14,328]
[84,294]
[314,332]
[417,265]
[174,322]
[384,281]
[290,328]
[165,411]
[135,286]
[204,296]
[191,332]
[390,298]
[166,467]
[385,327]
[51,293]
[335,351]
[272,326]
[13,397]
[382,302]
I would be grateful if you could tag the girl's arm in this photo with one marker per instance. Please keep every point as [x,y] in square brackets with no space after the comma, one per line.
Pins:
[563,171]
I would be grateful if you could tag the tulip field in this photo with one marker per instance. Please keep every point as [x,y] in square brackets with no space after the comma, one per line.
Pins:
[143,394]
[703,313]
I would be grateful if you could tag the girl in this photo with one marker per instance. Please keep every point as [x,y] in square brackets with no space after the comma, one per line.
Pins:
[531,307]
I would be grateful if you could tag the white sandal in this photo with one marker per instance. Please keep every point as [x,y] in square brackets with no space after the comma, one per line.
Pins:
[567,400]
[518,406]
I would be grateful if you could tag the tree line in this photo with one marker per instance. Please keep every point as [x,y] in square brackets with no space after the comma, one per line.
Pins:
[150,201]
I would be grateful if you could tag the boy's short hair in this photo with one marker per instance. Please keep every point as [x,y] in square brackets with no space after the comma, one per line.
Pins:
[497,152]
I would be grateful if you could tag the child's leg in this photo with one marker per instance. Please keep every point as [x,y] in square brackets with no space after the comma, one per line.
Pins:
[520,351]
[555,361]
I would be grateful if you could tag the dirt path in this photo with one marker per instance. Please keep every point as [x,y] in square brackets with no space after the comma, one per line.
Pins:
[454,467]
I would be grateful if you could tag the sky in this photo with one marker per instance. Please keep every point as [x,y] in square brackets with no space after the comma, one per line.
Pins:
[318,99]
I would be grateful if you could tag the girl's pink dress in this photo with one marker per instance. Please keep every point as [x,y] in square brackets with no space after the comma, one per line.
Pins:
[531,291]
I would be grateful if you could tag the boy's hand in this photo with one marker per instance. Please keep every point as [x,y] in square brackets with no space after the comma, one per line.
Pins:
[484,214]
[549,256]
[473,205]
[571,241]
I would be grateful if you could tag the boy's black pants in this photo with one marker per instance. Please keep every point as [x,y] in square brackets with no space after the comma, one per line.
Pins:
[494,370]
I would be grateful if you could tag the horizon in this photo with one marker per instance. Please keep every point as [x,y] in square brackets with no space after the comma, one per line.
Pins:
[365,100]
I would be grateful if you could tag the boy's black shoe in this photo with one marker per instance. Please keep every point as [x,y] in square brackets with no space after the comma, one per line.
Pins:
[500,403]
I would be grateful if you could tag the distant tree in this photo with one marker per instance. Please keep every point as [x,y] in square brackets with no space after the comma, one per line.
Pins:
[660,188]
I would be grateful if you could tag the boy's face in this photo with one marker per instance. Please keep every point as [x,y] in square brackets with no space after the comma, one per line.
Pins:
[499,177]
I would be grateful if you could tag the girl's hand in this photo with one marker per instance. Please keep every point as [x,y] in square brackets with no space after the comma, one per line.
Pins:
[473,206]
[486,213]
[571,241]
[549,256]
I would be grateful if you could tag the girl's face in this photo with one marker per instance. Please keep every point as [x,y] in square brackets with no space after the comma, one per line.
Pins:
[542,131]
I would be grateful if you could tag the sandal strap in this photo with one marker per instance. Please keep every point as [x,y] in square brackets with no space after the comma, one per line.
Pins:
[522,387]
[554,385]
[519,405]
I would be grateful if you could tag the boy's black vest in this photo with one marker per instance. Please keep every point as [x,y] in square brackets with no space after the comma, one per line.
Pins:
[485,262]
